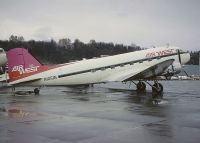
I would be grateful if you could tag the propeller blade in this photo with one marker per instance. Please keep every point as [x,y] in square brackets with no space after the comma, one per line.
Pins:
[185,73]
[179,56]
[172,68]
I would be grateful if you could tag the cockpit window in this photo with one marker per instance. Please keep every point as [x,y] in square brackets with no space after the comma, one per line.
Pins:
[1,50]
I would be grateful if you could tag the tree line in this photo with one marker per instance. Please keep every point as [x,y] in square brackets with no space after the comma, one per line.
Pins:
[52,52]
[194,60]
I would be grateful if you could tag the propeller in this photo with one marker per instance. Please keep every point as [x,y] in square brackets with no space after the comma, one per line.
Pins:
[179,56]
[185,73]
[172,68]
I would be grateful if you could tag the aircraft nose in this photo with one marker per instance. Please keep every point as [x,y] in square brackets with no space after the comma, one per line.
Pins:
[185,57]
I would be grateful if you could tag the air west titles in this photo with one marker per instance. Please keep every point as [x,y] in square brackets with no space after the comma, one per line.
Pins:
[159,53]
[23,70]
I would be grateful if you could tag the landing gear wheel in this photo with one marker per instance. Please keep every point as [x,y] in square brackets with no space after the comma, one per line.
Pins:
[168,77]
[36,91]
[141,86]
[157,90]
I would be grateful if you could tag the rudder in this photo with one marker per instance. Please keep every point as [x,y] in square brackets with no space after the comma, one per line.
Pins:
[21,63]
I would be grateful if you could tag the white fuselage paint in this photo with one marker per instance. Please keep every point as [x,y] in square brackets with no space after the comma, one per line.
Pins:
[3,58]
[106,69]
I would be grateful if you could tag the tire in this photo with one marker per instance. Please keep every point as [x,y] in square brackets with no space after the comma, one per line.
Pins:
[141,87]
[36,91]
[157,90]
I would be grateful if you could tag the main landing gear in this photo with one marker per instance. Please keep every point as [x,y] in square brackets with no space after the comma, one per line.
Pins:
[157,88]
[141,87]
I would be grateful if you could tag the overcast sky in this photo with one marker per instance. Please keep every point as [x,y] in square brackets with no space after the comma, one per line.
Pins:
[143,22]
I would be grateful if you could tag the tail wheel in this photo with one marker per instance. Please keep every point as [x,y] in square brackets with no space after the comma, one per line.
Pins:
[157,89]
[141,86]
[36,91]
[168,77]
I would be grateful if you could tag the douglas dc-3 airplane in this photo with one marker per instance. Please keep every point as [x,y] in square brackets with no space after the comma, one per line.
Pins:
[24,69]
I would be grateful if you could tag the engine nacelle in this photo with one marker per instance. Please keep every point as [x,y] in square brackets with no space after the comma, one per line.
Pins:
[173,69]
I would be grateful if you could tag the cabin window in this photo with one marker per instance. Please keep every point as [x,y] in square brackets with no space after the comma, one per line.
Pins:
[93,70]
[103,69]
[112,67]
[158,57]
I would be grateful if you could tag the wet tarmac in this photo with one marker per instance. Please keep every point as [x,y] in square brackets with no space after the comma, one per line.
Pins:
[110,113]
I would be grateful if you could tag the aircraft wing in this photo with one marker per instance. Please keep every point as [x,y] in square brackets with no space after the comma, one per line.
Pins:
[143,72]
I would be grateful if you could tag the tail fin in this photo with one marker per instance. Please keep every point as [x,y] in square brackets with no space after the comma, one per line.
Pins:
[21,63]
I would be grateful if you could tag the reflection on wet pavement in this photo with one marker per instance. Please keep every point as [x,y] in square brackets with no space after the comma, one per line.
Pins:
[100,114]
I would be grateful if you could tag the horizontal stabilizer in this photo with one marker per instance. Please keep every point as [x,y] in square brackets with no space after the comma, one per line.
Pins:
[24,81]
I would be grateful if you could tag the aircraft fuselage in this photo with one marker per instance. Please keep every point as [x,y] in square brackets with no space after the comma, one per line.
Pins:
[112,68]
